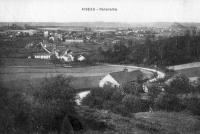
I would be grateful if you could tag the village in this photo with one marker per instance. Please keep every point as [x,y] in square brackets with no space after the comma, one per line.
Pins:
[126,73]
[99,67]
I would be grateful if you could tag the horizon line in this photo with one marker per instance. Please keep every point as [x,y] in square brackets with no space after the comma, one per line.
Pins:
[99,21]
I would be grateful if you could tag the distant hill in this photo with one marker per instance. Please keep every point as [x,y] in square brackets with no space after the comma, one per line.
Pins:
[104,24]
[177,26]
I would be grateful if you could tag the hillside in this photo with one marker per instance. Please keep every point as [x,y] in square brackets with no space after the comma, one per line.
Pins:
[140,123]
[169,122]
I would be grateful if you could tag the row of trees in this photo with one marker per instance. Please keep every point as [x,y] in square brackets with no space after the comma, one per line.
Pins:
[16,48]
[163,51]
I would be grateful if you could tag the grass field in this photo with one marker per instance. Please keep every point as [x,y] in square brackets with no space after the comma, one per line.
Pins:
[143,122]
[81,47]
[24,62]
[191,70]
[185,66]
[38,72]
[84,77]
[168,122]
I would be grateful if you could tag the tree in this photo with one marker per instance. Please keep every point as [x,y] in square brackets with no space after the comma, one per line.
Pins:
[178,84]
[132,88]
[56,100]
[134,103]
[54,59]
[169,102]
[193,105]
[99,96]
[153,91]
[14,112]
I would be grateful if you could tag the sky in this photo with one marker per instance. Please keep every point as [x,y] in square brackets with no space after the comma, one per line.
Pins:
[127,11]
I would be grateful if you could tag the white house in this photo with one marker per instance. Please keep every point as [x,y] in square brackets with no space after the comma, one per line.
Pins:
[74,41]
[108,80]
[51,38]
[116,79]
[42,56]
[66,56]
[81,58]
[46,33]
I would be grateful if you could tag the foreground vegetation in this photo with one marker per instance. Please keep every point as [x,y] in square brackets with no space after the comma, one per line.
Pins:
[51,108]
[176,94]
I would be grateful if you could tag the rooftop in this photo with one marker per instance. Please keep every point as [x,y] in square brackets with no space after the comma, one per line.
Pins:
[125,76]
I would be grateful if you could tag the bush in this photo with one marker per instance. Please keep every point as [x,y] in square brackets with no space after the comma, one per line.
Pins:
[179,84]
[132,88]
[168,102]
[98,96]
[55,102]
[121,109]
[193,105]
[51,108]
[116,100]
[135,104]
[117,96]
[14,112]
[154,90]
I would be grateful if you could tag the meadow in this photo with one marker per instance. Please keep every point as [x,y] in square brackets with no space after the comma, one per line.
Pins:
[83,77]
[191,70]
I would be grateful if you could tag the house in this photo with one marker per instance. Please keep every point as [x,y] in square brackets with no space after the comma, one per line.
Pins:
[117,79]
[46,33]
[81,58]
[66,56]
[42,56]
[73,40]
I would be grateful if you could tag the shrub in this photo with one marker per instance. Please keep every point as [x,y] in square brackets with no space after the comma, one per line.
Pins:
[117,96]
[51,108]
[132,88]
[116,100]
[154,90]
[55,101]
[193,105]
[14,112]
[178,84]
[121,109]
[98,96]
[135,104]
[168,102]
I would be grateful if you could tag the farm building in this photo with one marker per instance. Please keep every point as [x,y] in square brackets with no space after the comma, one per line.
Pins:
[29,32]
[81,58]
[46,33]
[74,41]
[116,79]
[66,55]
[67,58]
[42,56]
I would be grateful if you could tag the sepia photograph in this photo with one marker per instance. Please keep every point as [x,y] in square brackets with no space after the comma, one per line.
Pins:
[99,67]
